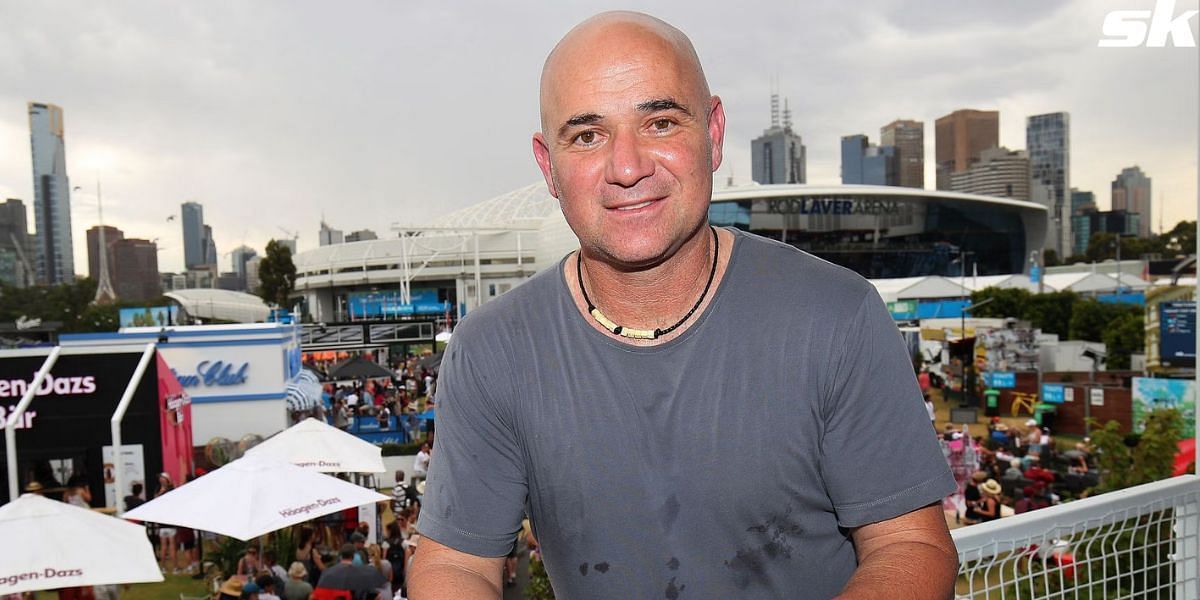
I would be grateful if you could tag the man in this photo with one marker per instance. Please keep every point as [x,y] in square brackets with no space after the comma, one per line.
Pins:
[703,351]
[403,495]
[421,462]
[361,581]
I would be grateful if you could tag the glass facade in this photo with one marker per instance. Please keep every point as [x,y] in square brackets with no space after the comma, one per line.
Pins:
[884,236]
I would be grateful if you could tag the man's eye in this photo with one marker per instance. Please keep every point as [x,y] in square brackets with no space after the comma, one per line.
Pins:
[662,124]
[587,137]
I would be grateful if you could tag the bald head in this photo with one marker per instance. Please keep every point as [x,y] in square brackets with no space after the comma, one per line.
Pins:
[613,41]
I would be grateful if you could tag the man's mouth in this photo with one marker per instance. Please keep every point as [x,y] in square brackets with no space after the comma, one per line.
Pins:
[636,206]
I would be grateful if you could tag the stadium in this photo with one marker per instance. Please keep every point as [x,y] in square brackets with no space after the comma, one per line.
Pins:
[467,257]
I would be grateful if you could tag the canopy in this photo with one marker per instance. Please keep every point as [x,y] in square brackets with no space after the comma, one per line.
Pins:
[359,368]
[304,392]
[253,495]
[59,545]
[316,445]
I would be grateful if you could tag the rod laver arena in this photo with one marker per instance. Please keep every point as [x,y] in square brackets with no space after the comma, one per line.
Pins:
[475,254]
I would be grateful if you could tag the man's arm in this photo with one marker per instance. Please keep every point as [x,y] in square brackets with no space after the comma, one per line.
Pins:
[440,572]
[910,556]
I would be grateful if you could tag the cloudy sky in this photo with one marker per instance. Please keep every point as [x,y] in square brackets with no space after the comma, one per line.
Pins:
[273,114]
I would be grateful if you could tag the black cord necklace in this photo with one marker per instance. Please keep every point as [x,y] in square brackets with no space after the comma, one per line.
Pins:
[646,334]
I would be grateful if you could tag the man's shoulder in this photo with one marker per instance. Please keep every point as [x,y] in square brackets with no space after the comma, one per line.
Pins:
[511,308]
[797,273]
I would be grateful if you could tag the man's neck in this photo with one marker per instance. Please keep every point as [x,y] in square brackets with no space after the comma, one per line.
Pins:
[657,296]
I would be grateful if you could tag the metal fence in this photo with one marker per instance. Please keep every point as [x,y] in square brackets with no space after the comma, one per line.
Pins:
[1142,542]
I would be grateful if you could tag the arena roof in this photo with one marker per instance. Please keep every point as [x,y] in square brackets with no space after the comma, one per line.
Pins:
[205,303]
[775,190]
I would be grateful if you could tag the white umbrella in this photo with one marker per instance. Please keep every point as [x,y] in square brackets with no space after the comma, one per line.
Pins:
[49,544]
[319,446]
[253,495]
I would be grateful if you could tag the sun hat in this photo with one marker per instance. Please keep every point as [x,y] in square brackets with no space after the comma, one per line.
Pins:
[991,487]
[232,586]
[33,487]
[297,570]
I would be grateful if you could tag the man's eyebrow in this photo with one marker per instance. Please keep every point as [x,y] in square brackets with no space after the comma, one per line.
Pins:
[578,120]
[659,104]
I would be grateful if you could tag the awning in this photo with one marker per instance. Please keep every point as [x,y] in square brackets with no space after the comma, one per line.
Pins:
[303,392]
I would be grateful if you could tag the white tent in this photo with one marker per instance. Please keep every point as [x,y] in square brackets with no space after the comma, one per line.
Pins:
[49,544]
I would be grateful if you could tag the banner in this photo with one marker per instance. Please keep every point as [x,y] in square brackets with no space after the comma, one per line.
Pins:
[1150,393]
[155,316]
[134,472]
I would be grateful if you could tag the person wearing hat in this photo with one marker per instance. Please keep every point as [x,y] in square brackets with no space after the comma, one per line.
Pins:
[250,591]
[231,589]
[297,586]
[972,496]
[989,506]
[35,488]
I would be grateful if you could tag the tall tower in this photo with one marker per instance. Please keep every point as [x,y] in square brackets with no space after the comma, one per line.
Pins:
[778,155]
[52,195]
[959,139]
[193,234]
[908,137]
[1131,193]
[1048,141]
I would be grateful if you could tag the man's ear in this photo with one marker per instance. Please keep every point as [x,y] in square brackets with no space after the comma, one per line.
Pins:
[541,153]
[716,131]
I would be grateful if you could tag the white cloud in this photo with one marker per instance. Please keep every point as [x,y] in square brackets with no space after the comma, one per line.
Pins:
[274,113]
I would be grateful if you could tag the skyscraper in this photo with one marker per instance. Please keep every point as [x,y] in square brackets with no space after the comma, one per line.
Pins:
[135,269]
[960,137]
[863,163]
[778,155]
[16,246]
[1131,192]
[908,137]
[52,195]
[111,235]
[210,248]
[1082,200]
[239,257]
[1048,141]
[194,247]
[329,236]
[1000,172]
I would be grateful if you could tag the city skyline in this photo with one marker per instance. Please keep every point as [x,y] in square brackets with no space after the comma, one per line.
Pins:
[382,121]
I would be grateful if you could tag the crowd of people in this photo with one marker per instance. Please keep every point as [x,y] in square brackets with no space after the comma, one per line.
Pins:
[395,402]
[1017,469]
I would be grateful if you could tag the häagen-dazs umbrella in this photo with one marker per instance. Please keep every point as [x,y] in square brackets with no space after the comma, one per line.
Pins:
[316,445]
[253,495]
[46,544]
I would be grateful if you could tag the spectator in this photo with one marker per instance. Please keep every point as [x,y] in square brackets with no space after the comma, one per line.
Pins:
[297,587]
[266,585]
[248,565]
[381,564]
[421,463]
[271,564]
[1014,471]
[972,496]
[231,589]
[78,492]
[166,535]
[308,556]
[989,505]
[134,499]
[403,495]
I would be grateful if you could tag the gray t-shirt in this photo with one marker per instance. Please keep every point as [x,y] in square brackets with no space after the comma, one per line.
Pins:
[727,462]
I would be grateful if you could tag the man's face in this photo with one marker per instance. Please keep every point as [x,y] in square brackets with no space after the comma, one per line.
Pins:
[629,143]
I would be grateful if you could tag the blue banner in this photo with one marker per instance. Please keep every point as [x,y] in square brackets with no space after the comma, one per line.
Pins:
[154,316]
[1000,379]
[1053,393]
[388,304]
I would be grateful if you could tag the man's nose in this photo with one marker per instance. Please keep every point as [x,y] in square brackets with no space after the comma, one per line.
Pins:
[628,161]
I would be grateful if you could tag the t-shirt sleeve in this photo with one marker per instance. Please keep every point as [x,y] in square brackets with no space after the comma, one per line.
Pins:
[476,489]
[879,456]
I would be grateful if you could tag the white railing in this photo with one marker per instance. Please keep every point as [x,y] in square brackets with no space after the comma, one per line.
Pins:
[1142,542]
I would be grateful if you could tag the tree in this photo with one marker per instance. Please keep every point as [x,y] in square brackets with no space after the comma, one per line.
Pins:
[1124,336]
[1006,302]
[1050,258]
[277,273]
[1090,318]
[1128,460]
[1051,312]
